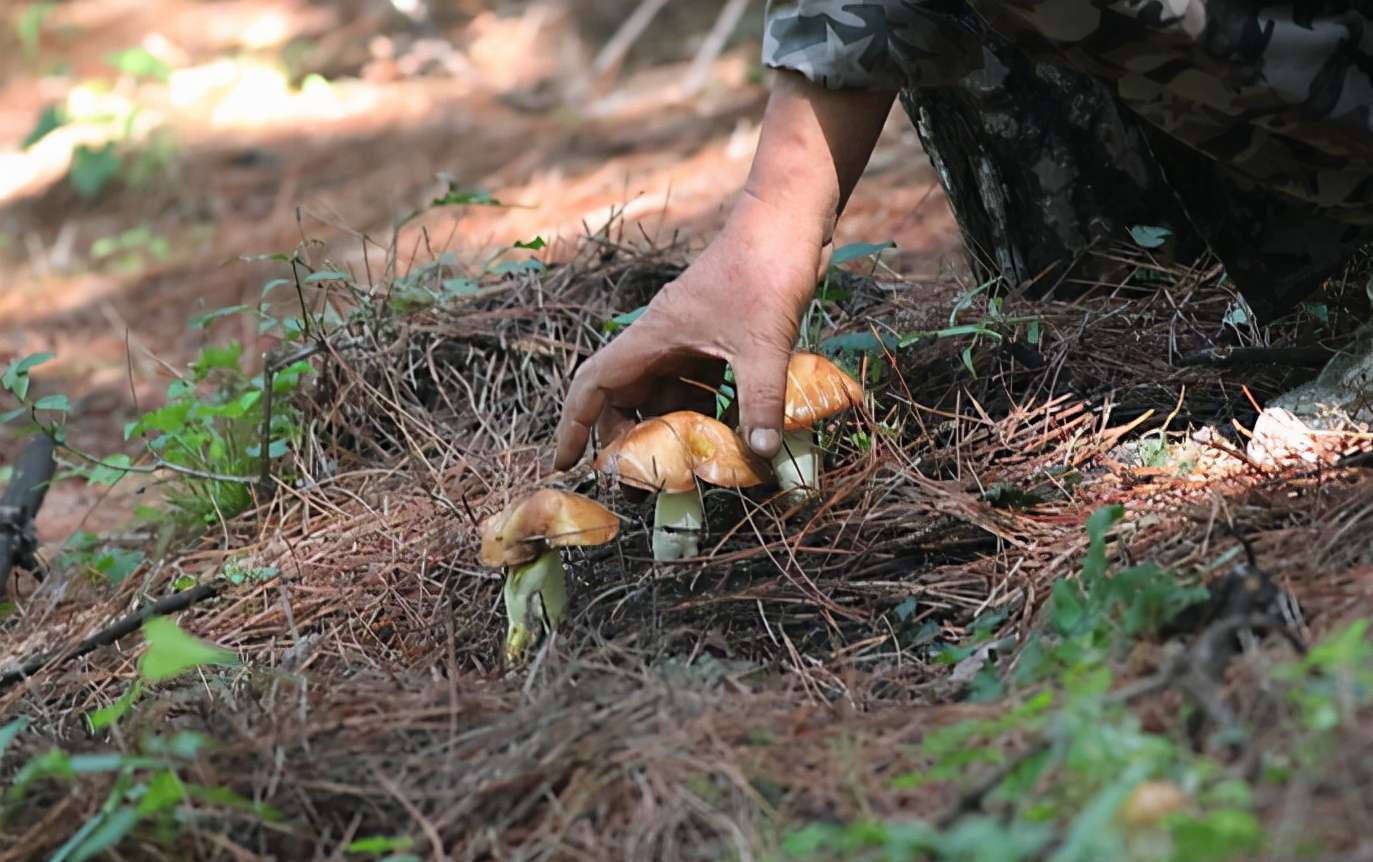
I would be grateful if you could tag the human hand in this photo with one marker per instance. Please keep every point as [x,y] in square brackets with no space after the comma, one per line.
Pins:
[740,302]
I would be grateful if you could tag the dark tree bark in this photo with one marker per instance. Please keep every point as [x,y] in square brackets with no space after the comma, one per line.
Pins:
[1041,163]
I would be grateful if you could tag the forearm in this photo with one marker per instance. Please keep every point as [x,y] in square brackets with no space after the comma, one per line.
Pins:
[813,147]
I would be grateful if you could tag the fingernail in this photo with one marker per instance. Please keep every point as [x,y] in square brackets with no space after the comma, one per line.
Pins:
[764,441]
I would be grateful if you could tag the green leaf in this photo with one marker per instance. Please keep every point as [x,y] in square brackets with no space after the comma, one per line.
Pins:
[378,844]
[139,63]
[1318,310]
[53,117]
[201,321]
[171,651]
[987,839]
[1067,611]
[459,286]
[11,731]
[906,608]
[1146,236]
[1221,834]
[1032,333]
[116,564]
[165,790]
[29,27]
[948,332]
[278,448]
[1236,316]
[1093,836]
[108,715]
[856,250]
[59,403]
[110,470]
[858,342]
[94,764]
[465,197]
[533,245]
[227,357]
[11,415]
[16,376]
[620,321]
[93,168]
[516,266]
[289,377]
[1098,523]
[1346,649]
[187,744]
[229,799]
[325,275]
[165,419]
[967,355]
[113,828]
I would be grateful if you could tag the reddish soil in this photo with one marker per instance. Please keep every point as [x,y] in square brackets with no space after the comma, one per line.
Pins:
[666,166]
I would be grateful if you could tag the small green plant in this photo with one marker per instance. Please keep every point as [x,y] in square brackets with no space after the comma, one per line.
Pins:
[439,280]
[1060,798]
[149,788]
[383,848]
[210,433]
[29,26]
[85,554]
[212,426]
[828,292]
[131,250]
[129,144]
[995,325]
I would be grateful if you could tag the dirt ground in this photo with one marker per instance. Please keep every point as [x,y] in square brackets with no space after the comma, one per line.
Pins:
[795,676]
[251,187]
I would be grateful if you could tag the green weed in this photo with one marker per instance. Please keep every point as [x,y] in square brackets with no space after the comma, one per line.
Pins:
[1061,797]
[150,792]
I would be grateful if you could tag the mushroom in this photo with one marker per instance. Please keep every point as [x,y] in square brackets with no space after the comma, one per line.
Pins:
[523,539]
[1150,802]
[665,455]
[816,390]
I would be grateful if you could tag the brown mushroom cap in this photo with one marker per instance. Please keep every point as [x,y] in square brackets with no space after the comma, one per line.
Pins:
[817,389]
[651,456]
[718,456]
[547,518]
[1151,801]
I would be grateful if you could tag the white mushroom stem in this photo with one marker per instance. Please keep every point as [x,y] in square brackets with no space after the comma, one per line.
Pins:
[540,584]
[797,465]
[677,520]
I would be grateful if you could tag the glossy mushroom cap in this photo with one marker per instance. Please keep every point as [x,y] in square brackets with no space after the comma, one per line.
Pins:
[667,453]
[652,456]
[816,390]
[547,518]
[718,455]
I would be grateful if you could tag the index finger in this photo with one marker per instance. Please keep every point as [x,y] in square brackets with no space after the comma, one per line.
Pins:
[585,401]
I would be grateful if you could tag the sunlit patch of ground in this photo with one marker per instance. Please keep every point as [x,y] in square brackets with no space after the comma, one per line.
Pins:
[253,158]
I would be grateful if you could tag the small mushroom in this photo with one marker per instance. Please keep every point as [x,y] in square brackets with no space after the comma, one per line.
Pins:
[816,390]
[1151,801]
[523,539]
[665,455]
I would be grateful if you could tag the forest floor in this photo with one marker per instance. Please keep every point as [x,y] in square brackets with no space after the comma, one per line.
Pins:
[1049,605]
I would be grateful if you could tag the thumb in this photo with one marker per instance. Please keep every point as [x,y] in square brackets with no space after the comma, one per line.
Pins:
[761,378]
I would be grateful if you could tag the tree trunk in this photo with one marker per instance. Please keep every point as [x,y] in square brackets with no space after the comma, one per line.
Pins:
[1040,163]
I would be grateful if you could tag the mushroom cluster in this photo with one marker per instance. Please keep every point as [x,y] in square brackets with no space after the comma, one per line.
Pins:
[667,456]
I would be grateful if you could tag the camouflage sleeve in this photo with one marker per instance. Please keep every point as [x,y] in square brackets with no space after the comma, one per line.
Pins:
[886,44]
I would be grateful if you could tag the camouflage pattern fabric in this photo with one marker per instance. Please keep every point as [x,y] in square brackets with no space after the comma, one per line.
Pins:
[1277,94]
